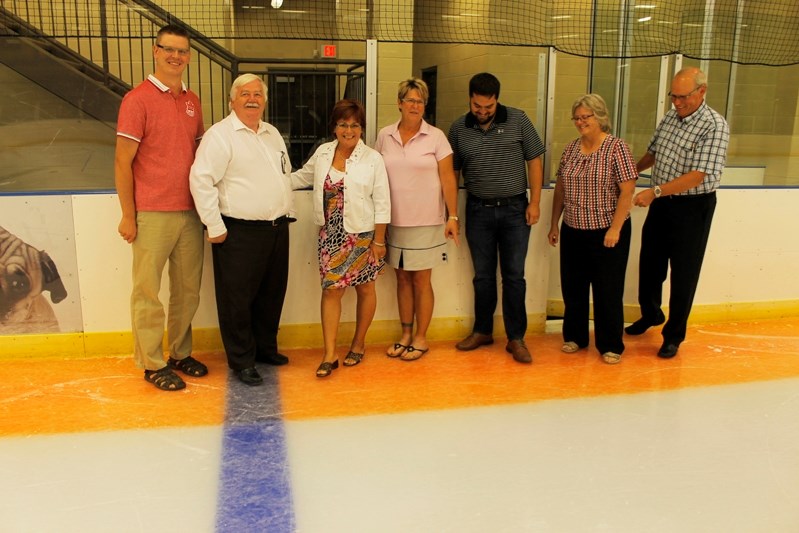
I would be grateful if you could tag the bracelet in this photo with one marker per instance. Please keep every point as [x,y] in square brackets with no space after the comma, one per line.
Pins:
[453,217]
[380,244]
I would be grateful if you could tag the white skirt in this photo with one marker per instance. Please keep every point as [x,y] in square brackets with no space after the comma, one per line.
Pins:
[417,247]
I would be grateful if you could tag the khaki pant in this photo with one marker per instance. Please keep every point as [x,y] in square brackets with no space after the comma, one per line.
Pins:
[176,236]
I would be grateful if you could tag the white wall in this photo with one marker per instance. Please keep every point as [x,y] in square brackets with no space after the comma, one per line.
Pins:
[749,270]
[751,261]
[104,261]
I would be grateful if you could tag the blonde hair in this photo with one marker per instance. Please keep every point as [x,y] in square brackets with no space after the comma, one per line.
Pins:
[413,84]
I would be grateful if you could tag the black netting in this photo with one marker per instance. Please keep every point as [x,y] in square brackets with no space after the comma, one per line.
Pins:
[742,31]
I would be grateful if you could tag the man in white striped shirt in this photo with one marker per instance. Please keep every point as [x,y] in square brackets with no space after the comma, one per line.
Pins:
[688,151]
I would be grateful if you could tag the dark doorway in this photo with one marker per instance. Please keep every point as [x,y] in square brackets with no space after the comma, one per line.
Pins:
[299,107]
[430,77]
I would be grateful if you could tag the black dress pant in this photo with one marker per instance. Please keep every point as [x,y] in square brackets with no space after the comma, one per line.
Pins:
[587,264]
[674,235]
[250,277]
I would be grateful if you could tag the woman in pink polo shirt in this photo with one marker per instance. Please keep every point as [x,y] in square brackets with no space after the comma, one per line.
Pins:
[424,206]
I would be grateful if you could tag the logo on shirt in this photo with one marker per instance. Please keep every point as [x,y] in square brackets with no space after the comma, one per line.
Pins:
[190,108]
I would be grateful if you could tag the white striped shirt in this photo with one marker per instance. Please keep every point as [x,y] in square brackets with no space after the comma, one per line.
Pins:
[696,142]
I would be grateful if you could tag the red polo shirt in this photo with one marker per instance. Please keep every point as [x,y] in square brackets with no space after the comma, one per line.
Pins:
[167,128]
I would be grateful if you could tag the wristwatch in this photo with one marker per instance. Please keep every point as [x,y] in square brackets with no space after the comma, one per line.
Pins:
[657,190]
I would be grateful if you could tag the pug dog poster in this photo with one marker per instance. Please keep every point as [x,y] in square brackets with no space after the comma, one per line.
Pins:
[28,279]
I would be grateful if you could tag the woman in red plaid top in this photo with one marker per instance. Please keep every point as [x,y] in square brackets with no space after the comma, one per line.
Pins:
[594,190]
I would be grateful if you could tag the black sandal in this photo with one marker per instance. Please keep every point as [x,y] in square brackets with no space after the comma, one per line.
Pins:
[353,358]
[189,366]
[165,379]
[413,353]
[397,346]
[326,368]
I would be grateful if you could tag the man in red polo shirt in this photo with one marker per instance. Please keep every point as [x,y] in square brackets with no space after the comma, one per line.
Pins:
[159,126]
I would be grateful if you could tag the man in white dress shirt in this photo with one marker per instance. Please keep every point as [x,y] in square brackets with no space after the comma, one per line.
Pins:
[241,188]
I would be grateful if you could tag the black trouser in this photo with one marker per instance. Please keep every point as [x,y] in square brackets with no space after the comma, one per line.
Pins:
[675,234]
[250,275]
[587,264]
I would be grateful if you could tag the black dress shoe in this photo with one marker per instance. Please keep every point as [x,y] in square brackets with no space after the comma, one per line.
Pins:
[668,350]
[274,359]
[642,324]
[249,376]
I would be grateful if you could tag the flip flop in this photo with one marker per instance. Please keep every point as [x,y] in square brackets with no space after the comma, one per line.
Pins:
[397,346]
[413,353]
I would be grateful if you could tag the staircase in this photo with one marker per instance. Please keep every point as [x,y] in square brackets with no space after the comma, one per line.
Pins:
[60,70]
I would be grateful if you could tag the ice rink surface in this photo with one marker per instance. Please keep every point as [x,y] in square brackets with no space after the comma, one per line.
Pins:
[455,442]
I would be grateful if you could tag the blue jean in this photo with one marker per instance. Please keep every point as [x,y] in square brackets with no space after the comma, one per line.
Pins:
[503,230]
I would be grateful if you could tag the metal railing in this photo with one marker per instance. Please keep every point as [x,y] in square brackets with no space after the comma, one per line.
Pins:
[116,36]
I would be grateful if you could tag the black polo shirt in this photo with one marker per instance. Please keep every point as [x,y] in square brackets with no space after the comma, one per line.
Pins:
[493,162]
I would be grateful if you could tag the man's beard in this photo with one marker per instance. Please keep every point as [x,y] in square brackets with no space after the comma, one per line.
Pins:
[484,120]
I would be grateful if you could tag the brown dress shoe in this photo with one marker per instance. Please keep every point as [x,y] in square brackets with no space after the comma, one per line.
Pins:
[475,340]
[519,351]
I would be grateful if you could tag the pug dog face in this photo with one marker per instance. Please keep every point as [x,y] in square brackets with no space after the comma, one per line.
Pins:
[15,286]
[25,273]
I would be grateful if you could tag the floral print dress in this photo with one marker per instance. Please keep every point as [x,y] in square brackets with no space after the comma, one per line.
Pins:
[344,258]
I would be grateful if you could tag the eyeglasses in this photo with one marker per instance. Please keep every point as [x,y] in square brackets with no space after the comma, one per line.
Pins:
[412,101]
[581,117]
[169,50]
[684,96]
[345,126]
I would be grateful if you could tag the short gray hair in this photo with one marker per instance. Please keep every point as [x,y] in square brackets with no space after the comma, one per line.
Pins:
[244,79]
[597,105]
[699,77]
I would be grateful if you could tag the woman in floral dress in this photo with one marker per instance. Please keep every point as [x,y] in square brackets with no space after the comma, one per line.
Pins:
[351,204]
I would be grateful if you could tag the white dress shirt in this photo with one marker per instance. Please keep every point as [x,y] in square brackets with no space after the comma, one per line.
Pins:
[241,174]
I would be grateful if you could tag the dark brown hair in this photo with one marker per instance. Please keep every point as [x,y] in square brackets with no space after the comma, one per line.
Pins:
[348,109]
[172,29]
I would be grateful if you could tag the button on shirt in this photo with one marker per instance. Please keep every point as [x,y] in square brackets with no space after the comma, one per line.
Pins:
[241,174]
[696,142]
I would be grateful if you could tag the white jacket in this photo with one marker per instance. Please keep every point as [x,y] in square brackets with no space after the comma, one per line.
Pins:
[366,193]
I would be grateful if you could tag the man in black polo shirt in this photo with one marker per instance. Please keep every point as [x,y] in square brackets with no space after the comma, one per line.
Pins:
[498,151]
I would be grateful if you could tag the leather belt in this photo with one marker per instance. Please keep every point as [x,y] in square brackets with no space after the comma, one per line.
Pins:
[276,222]
[499,202]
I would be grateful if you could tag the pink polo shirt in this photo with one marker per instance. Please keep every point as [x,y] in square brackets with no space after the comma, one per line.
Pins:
[416,196]
[167,128]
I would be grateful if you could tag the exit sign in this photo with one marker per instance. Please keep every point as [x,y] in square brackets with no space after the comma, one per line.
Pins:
[329,50]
